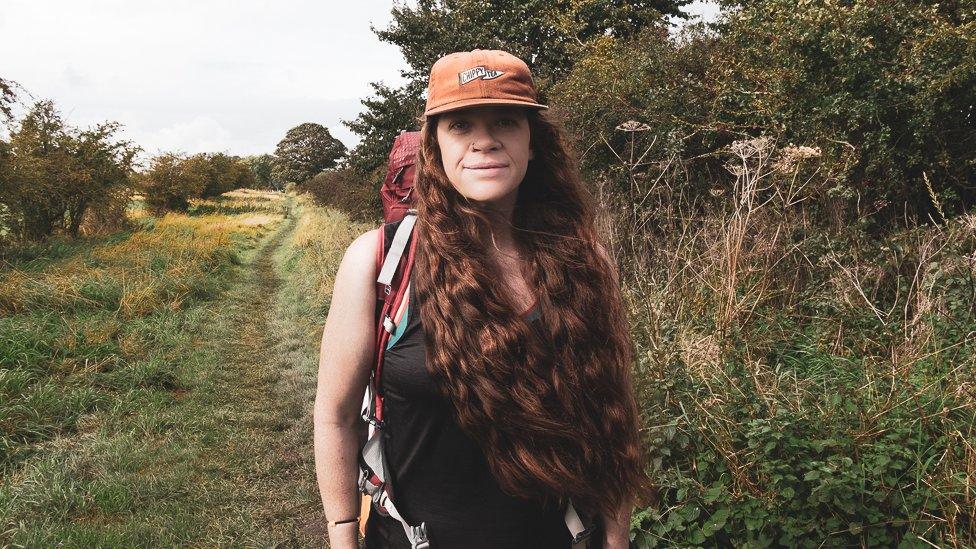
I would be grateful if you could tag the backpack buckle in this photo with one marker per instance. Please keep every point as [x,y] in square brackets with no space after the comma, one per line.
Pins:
[584,534]
[418,537]
[378,423]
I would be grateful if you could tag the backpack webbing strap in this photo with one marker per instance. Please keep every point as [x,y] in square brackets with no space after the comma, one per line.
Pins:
[396,249]
[575,525]
[393,299]
[373,481]
[373,478]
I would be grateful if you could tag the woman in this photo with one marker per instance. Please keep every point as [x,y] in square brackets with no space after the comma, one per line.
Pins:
[508,392]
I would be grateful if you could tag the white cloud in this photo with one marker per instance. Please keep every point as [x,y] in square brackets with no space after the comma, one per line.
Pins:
[699,11]
[203,75]
[199,75]
[203,133]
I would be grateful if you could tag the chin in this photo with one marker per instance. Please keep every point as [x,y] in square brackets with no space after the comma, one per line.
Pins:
[478,192]
[485,200]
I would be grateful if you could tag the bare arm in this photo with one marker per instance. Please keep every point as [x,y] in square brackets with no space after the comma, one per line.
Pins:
[617,528]
[345,362]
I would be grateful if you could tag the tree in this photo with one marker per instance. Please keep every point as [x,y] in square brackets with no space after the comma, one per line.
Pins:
[306,150]
[385,116]
[548,35]
[54,174]
[7,97]
[104,188]
[221,172]
[889,87]
[261,166]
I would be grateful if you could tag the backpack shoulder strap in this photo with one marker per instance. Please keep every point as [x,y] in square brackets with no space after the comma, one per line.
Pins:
[394,261]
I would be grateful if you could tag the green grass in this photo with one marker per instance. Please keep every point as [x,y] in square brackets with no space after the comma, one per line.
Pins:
[161,395]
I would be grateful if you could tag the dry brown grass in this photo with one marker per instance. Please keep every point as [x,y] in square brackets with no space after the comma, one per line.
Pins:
[769,305]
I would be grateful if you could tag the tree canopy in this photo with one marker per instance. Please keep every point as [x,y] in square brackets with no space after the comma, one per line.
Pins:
[54,174]
[306,150]
[547,35]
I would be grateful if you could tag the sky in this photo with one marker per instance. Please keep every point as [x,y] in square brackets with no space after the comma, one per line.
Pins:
[203,75]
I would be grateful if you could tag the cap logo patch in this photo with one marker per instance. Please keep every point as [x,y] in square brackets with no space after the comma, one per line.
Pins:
[476,73]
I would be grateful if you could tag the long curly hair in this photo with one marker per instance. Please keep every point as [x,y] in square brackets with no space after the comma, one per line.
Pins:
[551,403]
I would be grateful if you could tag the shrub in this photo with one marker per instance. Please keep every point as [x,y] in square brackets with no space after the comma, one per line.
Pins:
[884,90]
[170,182]
[347,190]
[55,176]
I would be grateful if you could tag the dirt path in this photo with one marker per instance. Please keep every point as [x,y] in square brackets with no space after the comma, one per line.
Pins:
[201,432]
[262,396]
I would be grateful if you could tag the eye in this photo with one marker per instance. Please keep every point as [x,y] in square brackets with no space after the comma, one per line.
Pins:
[506,122]
[458,125]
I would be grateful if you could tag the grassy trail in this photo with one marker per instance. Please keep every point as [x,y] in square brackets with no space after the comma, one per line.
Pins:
[261,449]
[218,453]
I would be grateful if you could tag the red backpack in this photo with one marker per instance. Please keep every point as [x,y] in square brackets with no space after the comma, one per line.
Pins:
[397,189]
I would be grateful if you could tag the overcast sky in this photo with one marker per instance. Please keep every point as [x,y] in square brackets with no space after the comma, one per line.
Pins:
[202,75]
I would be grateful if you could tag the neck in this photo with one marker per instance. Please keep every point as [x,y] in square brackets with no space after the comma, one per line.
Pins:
[501,237]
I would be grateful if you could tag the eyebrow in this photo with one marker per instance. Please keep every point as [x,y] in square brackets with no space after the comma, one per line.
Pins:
[500,114]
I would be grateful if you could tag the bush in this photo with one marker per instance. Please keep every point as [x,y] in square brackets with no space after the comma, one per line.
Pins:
[799,388]
[56,177]
[170,182]
[883,90]
[222,173]
[348,190]
[889,86]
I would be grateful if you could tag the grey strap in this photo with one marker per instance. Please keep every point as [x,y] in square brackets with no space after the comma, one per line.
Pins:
[396,248]
[575,524]
[375,459]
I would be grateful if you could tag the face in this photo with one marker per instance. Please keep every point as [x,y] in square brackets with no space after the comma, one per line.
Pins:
[485,152]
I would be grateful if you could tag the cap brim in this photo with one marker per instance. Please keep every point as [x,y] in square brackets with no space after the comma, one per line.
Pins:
[464,103]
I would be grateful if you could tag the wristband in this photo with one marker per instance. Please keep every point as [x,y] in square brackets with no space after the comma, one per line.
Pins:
[335,522]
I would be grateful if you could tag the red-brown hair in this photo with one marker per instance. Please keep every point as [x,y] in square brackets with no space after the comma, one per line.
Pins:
[551,403]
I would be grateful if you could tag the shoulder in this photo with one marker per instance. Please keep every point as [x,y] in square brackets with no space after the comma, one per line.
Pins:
[359,259]
[365,243]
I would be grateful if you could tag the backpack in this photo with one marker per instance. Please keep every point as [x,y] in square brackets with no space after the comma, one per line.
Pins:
[394,260]
[396,192]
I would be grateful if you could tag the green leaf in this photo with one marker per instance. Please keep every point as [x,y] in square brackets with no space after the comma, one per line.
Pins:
[717,521]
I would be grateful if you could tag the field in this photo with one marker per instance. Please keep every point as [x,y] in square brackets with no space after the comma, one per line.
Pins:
[156,384]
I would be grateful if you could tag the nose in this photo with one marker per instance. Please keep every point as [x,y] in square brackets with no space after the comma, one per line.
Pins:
[484,140]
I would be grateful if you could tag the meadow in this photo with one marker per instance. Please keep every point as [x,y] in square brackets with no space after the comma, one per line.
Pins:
[798,387]
[156,383]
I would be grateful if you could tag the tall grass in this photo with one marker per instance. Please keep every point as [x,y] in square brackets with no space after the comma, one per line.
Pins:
[803,383]
[79,331]
[161,381]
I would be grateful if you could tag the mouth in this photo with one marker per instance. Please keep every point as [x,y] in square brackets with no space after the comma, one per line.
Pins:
[486,166]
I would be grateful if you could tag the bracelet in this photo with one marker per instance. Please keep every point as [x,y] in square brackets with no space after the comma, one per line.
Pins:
[335,522]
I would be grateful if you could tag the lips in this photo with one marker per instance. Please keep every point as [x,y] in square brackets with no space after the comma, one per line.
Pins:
[485,165]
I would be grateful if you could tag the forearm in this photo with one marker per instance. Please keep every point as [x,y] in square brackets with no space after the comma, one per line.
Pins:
[617,527]
[337,470]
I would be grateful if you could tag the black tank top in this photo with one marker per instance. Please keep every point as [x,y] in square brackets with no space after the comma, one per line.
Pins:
[439,474]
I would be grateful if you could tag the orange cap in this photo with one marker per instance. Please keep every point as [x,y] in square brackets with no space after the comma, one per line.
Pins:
[479,77]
